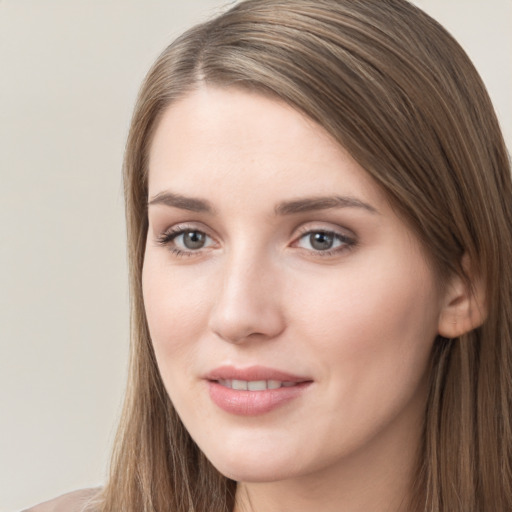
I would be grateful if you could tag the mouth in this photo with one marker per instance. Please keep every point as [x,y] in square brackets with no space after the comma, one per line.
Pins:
[254,378]
[254,385]
[253,391]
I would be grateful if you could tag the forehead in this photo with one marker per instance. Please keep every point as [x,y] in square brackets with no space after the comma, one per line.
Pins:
[240,145]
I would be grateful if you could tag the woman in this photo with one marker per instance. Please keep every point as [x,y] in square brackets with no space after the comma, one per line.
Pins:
[319,221]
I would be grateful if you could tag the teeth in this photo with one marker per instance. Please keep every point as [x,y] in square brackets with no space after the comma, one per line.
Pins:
[239,385]
[254,385]
[257,385]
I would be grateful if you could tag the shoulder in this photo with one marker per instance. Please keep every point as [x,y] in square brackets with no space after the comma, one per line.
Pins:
[75,501]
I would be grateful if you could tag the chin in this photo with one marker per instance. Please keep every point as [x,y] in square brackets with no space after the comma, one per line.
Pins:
[255,473]
[257,466]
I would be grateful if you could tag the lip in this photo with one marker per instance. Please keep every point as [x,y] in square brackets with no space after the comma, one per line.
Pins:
[253,403]
[253,373]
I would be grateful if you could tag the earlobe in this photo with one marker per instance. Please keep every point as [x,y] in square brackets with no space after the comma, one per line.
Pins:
[464,306]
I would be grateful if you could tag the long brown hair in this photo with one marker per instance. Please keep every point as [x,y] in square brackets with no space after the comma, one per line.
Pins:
[395,89]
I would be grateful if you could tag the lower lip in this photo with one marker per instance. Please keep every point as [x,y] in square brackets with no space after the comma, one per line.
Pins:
[253,403]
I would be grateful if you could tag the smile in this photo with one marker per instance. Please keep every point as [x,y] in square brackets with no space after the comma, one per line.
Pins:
[254,390]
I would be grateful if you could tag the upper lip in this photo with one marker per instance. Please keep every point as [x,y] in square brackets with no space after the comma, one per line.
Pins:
[253,373]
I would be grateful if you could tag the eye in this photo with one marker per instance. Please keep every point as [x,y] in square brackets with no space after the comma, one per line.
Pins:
[185,241]
[323,241]
[191,240]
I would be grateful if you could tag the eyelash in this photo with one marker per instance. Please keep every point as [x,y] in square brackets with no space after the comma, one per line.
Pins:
[347,242]
[167,238]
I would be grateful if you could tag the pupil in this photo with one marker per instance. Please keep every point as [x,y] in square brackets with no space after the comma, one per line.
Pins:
[321,241]
[193,239]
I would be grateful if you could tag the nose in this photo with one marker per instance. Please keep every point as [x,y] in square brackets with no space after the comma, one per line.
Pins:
[248,305]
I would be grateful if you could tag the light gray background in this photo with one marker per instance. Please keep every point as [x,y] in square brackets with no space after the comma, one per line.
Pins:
[69,73]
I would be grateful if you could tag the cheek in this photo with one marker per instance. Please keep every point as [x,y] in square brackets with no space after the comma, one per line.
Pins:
[175,312]
[369,306]
[373,333]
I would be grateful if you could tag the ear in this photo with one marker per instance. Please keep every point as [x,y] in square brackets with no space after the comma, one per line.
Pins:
[464,304]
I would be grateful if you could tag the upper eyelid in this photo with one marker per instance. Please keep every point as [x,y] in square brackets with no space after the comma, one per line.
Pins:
[186,226]
[179,229]
[327,228]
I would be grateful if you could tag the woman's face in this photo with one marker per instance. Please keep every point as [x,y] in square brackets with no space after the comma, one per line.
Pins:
[291,311]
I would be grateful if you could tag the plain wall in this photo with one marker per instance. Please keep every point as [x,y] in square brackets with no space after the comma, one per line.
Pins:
[69,74]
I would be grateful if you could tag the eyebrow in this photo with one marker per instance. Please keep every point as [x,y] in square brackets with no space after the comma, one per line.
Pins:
[291,207]
[183,202]
[321,203]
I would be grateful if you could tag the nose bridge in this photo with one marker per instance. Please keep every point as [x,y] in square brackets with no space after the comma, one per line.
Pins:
[248,302]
